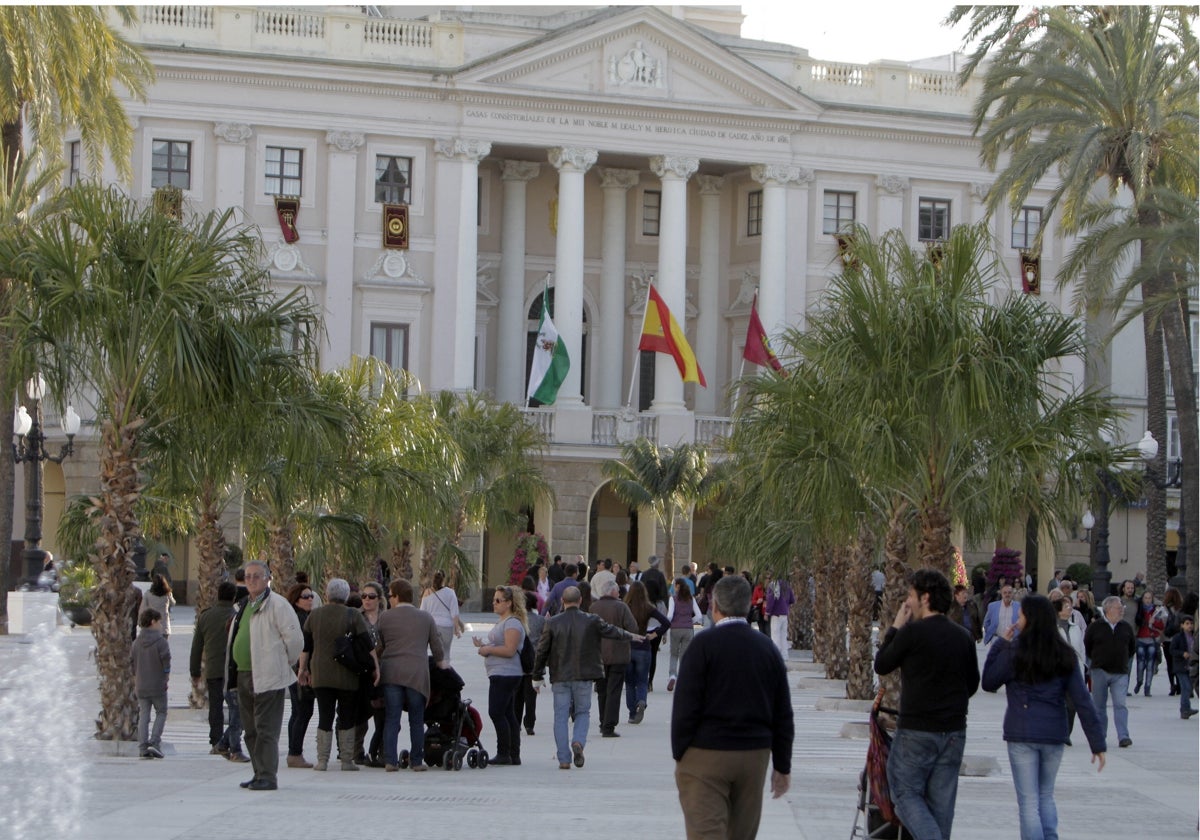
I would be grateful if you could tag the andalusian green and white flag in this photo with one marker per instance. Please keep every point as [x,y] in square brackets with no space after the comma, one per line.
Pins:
[550,361]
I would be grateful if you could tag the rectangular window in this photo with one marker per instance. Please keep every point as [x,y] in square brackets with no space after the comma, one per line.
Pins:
[651,212]
[74,162]
[933,220]
[839,211]
[1174,446]
[389,343]
[284,171]
[754,208]
[171,163]
[393,179]
[1026,226]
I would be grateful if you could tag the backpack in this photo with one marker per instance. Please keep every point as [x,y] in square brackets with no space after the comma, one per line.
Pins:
[527,656]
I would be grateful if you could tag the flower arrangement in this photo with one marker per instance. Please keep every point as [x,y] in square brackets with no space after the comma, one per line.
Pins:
[1006,563]
[530,549]
[960,570]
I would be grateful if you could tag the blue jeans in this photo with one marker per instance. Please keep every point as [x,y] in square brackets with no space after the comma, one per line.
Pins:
[579,693]
[922,771]
[1185,688]
[637,678]
[1034,768]
[397,699]
[232,738]
[1105,684]
[1146,649]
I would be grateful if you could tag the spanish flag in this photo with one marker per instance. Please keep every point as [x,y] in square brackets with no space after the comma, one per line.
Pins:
[662,334]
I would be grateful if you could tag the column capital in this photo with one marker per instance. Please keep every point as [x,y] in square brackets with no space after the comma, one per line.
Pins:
[235,134]
[891,184]
[710,184]
[572,158]
[519,170]
[674,167]
[979,191]
[781,174]
[461,148]
[618,178]
[345,141]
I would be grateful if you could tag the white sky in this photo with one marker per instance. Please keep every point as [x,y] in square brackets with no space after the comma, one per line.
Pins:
[855,31]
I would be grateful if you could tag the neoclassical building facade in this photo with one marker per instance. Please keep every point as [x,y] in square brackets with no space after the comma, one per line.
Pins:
[594,149]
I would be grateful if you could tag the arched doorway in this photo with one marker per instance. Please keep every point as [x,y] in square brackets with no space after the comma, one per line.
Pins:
[612,528]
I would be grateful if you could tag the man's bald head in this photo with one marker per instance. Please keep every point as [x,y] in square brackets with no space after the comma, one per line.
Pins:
[572,597]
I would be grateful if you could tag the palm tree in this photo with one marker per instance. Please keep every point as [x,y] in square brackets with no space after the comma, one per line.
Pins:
[499,477]
[915,401]
[60,66]
[157,319]
[1105,97]
[670,480]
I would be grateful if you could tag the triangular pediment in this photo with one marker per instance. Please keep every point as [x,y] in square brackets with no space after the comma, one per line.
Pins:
[640,54]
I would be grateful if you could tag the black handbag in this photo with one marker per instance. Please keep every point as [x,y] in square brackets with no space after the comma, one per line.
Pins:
[351,652]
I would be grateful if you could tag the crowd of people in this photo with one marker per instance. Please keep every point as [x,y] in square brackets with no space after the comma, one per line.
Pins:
[361,658]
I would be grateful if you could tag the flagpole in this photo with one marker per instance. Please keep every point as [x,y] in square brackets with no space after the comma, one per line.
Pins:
[637,358]
[742,366]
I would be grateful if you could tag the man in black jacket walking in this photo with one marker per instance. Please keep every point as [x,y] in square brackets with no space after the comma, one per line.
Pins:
[732,715]
[1109,644]
[570,645]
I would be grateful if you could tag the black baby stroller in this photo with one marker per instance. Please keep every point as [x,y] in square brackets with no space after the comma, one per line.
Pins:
[876,818]
[452,725]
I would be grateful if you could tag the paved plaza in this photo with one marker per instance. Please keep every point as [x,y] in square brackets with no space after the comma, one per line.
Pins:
[58,784]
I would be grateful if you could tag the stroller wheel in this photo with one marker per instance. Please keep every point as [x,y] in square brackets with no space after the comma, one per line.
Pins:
[458,761]
[404,759]
[482,761]
[473,759]
[448,761]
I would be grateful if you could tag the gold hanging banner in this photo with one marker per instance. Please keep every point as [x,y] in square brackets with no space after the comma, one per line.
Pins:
[287,208]
[395,226]
[1031,273]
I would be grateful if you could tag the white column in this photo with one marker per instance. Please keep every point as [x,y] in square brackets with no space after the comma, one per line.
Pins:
[671,281]
[510,362]
[455,264]
[798,294]
[231,164]
[891,203]
[341,199]
[707,321]
[572,164]
[772,280]
[611,327]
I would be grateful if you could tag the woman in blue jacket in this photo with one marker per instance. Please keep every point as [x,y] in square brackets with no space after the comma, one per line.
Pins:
[1039,671]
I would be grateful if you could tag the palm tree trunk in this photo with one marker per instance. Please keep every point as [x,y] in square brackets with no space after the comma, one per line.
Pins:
[800,619]
[668,527]
[120,488]
[460,528]
[1156,423]
[282,554]
[825,579]
[210,541]
[860,681]
[428,561]
[936,549]
[400,561]
[896,567]
[10,151]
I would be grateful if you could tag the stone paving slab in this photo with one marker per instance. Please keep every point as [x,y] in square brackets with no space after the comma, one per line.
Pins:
[48,703]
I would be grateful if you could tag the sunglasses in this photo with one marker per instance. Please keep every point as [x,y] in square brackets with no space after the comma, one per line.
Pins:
[307,597]
[370,597]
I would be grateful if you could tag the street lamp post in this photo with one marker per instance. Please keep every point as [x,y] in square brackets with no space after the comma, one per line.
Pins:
[1148,449]
[1107,487]
[31,448]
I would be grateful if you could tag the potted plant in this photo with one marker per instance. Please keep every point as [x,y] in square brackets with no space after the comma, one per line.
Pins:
[531,549]
[77,579]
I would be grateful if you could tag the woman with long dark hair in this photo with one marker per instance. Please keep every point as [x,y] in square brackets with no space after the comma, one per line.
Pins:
[1039,670]
[159,597]
[651,624]
[682,615]
[301,597]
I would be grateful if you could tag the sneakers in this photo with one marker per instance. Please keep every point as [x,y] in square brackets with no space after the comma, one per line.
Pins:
[638,713]
[240,757]
[671,684]
[1189,713]
[577,752]
[1125,742]
[152,752]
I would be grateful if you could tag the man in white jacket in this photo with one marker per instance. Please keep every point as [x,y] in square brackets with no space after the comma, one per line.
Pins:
[264,643]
